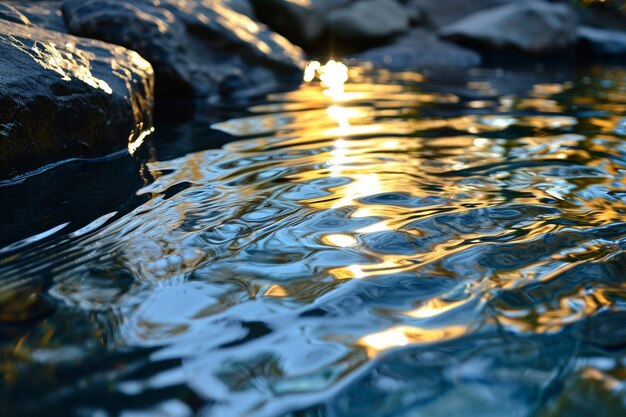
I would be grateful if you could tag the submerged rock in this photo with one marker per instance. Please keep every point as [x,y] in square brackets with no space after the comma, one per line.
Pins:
[198,48]
[602,42]
[532,27]
[420,49]
[368,20]
[63,97]
[45,14]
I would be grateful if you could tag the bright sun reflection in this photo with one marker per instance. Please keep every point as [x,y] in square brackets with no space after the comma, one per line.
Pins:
[341,116]
[135,142]
[340,240]
[344,157]
[332,77]
[407,335]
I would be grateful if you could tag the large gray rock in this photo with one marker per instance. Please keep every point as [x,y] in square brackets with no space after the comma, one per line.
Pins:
[241,6]
[302,22]
[198,48]
[63,97]
[368,20]
[533,27]
[420,49]
[439,13]
[45,14]
[602,42]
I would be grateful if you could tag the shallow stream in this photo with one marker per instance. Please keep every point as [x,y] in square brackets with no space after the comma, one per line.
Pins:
[418,244]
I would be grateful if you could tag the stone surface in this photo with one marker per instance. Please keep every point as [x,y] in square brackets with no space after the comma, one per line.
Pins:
[419,49]
[368,20]
[414,12]
[45,14]
[241,6]
[439,13]
[302,22]
[199,48]
[608,14]
[532,27]
[63,97]
[602,42]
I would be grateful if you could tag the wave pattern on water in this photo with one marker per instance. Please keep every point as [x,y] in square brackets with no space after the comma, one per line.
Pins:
[394,251]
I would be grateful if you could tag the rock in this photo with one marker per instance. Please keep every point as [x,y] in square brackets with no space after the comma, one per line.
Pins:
[439,13]
[532,27]
[302,22]
[198,48]
[420,49]
[45,14]
[243,7]
[413,11]
[368,20]
[64,97]
[602,42]
[608,14]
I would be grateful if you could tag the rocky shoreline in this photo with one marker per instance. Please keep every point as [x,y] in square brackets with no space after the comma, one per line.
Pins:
[78,78]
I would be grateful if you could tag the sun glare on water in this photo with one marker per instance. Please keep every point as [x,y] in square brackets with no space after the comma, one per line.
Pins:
[332,76]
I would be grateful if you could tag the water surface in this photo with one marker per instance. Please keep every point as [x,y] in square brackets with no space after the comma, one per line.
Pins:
[416,245]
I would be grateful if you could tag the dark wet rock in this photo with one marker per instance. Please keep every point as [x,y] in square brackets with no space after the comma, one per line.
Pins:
[609,14]
[439,13]
[532,27]
[241,6]
[198,48]
[64,97]
[602,42]
[45,14]
[414,12]
[303,23]
[420,49]
[368,20]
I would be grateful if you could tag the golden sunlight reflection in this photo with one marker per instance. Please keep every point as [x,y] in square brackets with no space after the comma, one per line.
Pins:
[433,308]
[340,240]
[68,61]
[341,116]
[135,141]
[332,77]
[407,335]
[276,291]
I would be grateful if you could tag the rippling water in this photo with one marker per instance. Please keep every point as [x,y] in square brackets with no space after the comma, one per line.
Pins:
[420,245]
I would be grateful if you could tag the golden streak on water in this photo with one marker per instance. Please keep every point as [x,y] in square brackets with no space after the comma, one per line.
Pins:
[433,308]
[332,76]
[134,144]
[341,116]
[407,335]
[340,240]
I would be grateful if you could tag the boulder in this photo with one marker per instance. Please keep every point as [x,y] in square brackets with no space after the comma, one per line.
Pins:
[243,7]
[302,22]
[532,27]
[200,48]
[439,13]
[414,12]
[600,42]
[64,97]
[45,14]
[607,14]
[420,49]
[368,20]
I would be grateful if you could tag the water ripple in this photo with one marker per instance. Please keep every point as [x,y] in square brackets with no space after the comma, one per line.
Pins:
[395,252]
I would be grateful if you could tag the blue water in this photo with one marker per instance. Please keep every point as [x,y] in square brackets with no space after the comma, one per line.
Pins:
[447,244]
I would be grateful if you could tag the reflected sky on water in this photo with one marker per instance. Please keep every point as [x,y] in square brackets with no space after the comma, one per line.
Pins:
[406,244]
